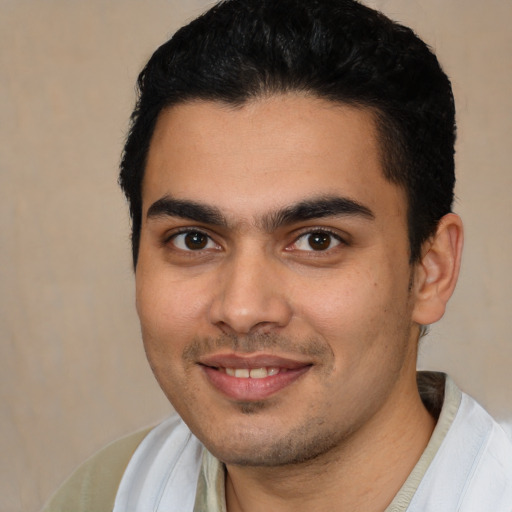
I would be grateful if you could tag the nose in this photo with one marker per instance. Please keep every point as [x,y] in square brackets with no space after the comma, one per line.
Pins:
[251,297]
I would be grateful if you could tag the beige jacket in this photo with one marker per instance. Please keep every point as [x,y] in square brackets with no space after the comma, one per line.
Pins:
[93,486]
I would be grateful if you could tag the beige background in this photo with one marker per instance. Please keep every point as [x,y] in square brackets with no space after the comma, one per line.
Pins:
[73,374]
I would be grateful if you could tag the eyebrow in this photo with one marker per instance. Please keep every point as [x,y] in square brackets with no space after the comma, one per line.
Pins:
[310,209]
[316,208]
[186,209]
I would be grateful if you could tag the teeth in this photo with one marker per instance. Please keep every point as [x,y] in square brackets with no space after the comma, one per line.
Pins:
[258,373]
[254,373]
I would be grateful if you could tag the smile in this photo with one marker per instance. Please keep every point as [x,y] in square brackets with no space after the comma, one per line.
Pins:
[251,378]
[254,373]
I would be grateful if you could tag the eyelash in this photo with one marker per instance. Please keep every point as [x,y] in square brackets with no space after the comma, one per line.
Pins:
[321,231]
[184,231]
[310,231]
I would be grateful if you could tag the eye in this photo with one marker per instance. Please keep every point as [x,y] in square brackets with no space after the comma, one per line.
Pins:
[316,241]
[193,241]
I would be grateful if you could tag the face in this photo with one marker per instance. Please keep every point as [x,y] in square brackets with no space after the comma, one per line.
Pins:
[273,280]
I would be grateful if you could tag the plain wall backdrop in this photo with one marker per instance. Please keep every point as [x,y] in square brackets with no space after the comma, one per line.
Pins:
[73,374]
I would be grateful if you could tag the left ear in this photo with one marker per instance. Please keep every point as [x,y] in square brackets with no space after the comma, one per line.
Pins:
[437,272]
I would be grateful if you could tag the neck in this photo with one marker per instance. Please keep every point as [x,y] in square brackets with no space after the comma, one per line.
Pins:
[364,473]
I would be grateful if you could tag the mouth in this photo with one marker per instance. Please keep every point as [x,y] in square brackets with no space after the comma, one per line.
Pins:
[252,373]
[251,378]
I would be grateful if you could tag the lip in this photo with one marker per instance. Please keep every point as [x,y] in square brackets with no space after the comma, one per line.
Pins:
[251,389]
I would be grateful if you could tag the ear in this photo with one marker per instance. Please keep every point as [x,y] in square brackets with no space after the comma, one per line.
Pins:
[437,272]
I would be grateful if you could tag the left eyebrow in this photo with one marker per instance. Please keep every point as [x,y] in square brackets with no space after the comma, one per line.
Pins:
[330,206]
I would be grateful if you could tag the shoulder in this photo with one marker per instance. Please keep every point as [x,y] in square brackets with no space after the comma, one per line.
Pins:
[472,469]
[490,451]
[164,470]
[94,484]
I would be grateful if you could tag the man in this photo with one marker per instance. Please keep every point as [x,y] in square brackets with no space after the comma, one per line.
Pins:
[290,177]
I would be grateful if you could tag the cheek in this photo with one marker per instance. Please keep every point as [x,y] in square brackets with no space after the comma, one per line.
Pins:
[343,300]
[170,316]
[168,307]
[169,313]
[357,313]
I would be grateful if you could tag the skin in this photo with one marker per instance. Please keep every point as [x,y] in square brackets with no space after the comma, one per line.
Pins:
[333,293]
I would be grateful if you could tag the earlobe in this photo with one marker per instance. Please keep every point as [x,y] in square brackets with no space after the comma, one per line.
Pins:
[437,272]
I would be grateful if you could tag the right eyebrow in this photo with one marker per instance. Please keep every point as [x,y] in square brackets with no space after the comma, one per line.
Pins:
[185,209]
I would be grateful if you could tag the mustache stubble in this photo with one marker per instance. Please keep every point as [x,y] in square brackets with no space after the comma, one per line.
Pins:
[315,348]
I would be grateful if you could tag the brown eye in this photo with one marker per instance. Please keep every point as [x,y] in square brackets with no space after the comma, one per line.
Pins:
[319,241]
[193,241]
[316,241]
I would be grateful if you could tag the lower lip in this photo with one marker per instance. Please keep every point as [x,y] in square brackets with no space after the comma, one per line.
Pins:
[252,389]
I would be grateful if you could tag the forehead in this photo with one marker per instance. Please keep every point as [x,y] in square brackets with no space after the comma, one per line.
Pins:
[267,153]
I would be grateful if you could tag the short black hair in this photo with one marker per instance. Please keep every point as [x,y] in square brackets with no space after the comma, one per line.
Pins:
[338,50]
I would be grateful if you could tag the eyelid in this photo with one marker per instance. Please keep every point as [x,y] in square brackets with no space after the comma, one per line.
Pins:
[169,237]
[343,240]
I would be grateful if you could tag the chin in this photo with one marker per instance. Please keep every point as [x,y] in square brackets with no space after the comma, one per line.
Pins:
[271,449]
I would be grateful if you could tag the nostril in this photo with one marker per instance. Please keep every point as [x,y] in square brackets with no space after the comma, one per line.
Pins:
[248,303]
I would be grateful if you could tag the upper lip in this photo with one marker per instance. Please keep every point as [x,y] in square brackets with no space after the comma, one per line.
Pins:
[251,361]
